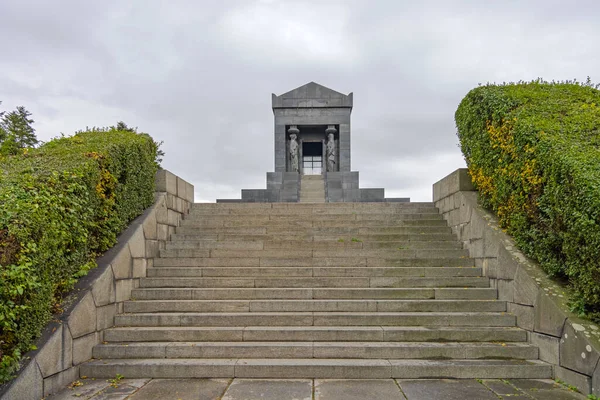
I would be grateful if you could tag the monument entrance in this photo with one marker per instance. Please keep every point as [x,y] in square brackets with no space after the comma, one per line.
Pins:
[312,138]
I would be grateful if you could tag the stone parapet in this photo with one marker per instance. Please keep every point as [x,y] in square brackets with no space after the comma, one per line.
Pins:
[566,341]
[90,308]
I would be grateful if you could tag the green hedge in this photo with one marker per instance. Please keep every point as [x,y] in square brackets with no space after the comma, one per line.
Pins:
[61,206]
[533,152]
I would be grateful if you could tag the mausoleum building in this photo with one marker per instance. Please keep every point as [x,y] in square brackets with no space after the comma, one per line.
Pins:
[313,151]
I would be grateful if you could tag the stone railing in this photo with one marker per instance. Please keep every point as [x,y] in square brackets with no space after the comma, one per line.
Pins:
[67,342]
[570,343]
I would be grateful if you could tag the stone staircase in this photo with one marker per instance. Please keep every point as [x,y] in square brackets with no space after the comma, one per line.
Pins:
[312,189]
[335,290]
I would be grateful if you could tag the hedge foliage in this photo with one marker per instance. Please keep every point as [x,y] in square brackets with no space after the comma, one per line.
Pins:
[62,205]
[533,152]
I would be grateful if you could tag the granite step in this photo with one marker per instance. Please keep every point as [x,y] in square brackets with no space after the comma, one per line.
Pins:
[300,238]
[316,333]
[348,262]
[345,217]
[330,305]
[286,229]
[304,253]
[300,349]
[340,244]
[316,368]
[312,271]
[317,319]
[313,293]
[315,282]
[317,223]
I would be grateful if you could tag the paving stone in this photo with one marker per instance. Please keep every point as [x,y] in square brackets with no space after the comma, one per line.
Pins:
[543,389]
[83,389]
[118,391]
[501,387]
[184,389]
[269,389]
[357,389]
[447,389]
[59,381]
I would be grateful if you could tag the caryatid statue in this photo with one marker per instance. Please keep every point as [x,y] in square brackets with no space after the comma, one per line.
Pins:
[330,148]
[293,131]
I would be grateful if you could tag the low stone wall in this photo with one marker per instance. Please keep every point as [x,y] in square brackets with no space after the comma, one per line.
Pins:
[67,342]
[570,343]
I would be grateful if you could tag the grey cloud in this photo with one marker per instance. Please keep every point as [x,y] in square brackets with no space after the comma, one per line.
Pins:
[199,75]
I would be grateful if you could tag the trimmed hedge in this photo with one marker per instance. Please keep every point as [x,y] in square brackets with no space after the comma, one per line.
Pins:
[533,152]
[61,206]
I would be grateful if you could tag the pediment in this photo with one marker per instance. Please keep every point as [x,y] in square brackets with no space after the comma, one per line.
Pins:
[312,95]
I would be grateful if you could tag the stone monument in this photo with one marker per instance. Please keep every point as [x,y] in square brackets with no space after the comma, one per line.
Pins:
[312,137]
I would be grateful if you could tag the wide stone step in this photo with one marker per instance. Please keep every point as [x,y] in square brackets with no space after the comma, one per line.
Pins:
[301,253]
[346,262]
[313,293]
[301,237]
[264,218]
[149,306]
[303,224]
[316,319]
[316,368]
[314,282]
[340,244]
[286,229]
[316,333]
[312,271]
[356,350]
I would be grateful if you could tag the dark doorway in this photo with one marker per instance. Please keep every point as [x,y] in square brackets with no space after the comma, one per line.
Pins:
[312,158]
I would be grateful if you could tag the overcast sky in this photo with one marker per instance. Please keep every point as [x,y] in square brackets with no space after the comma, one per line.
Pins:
[199,75]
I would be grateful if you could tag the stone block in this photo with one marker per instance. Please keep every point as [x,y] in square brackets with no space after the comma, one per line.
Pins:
[166,182]
[576,351]
[122,263]
[173,218]
[55,355]
[139,267]
[505,290]
[149,226]
[170,201]
[161,211]
[189,193]
[58,382]
[457,181]
[82,348]
[596,381]
[162,232]
[580,381]
[507,265]
[27,385]
[82,319]
[103,289]
[547,345]
[181,188]
[124,288]
[137,245]
[549,318]
[524,315]
[152,248]
[106,316]
[526,288]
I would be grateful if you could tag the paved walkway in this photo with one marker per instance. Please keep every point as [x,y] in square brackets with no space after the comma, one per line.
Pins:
[316,389]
